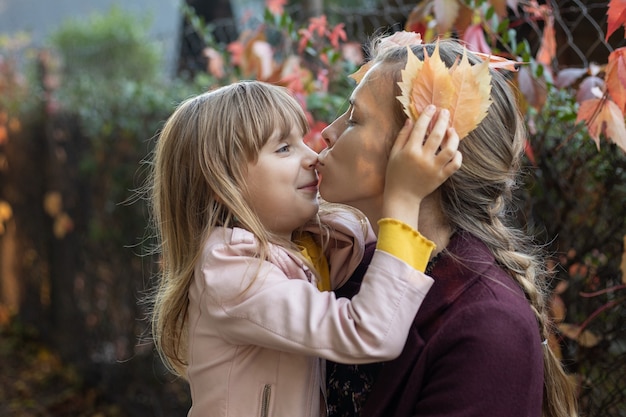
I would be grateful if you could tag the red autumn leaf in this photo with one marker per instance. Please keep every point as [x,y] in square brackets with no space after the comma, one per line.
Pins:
[338,33]
[529,152]
[547,50]
[615,77]
[276,6]
[215,65]
[314,138]
[616,15]
[318,24]
[603,116]
[474,38]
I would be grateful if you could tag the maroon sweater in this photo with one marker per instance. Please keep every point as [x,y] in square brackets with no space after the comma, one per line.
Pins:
[474,349]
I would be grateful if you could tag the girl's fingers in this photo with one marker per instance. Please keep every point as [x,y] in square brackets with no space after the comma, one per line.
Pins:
[418,134]
[449,145]
[438,132]
[454,164]
[403,136]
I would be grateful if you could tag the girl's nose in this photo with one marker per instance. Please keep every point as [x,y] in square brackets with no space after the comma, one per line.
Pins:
[310,157]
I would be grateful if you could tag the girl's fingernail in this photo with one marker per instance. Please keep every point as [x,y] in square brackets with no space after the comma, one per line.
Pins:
[430,110]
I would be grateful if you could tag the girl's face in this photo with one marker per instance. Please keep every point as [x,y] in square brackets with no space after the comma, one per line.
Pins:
[282,185]
[353,166]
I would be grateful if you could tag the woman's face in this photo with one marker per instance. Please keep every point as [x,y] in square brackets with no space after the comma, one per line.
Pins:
[353,166]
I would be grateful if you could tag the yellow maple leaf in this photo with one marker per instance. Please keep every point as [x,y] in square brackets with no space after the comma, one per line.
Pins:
[472,95]
[463,89]
[410,73]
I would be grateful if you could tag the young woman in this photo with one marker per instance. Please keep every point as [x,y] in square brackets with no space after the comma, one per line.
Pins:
[238,310]
[478,345]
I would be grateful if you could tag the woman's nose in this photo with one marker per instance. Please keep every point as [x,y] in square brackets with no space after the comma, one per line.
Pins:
[329,135]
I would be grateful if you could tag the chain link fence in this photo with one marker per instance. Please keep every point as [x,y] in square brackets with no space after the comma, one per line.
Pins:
[580,27]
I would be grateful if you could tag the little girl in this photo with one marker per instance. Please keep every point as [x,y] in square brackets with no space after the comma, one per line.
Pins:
[247,251]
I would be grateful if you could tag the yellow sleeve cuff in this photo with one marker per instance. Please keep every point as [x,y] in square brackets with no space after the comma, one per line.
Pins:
[402,241]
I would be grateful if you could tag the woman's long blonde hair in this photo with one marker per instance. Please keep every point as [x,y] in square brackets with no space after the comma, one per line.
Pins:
[196,183]
[477,199]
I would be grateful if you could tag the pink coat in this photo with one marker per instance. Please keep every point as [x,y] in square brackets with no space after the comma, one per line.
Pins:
[258,329]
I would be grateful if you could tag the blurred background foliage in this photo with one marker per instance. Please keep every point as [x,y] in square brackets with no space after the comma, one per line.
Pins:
[79,118]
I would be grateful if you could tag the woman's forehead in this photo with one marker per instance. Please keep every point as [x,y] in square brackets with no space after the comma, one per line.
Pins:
[373,90]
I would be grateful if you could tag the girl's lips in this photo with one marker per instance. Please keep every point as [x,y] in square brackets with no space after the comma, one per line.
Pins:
[311,186]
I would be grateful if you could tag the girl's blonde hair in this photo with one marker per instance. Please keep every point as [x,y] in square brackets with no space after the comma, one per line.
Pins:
[197,183]
[477,199]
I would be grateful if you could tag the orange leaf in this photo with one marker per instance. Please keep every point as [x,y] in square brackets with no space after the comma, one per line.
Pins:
[616,15]
[472,95]
[499,62]
[584,337]
[547,50]
[603,116]
[463,89]
[615,77]
[360,73]
[499,6]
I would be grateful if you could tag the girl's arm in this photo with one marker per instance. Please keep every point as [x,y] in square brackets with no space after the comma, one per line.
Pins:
[292,315]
